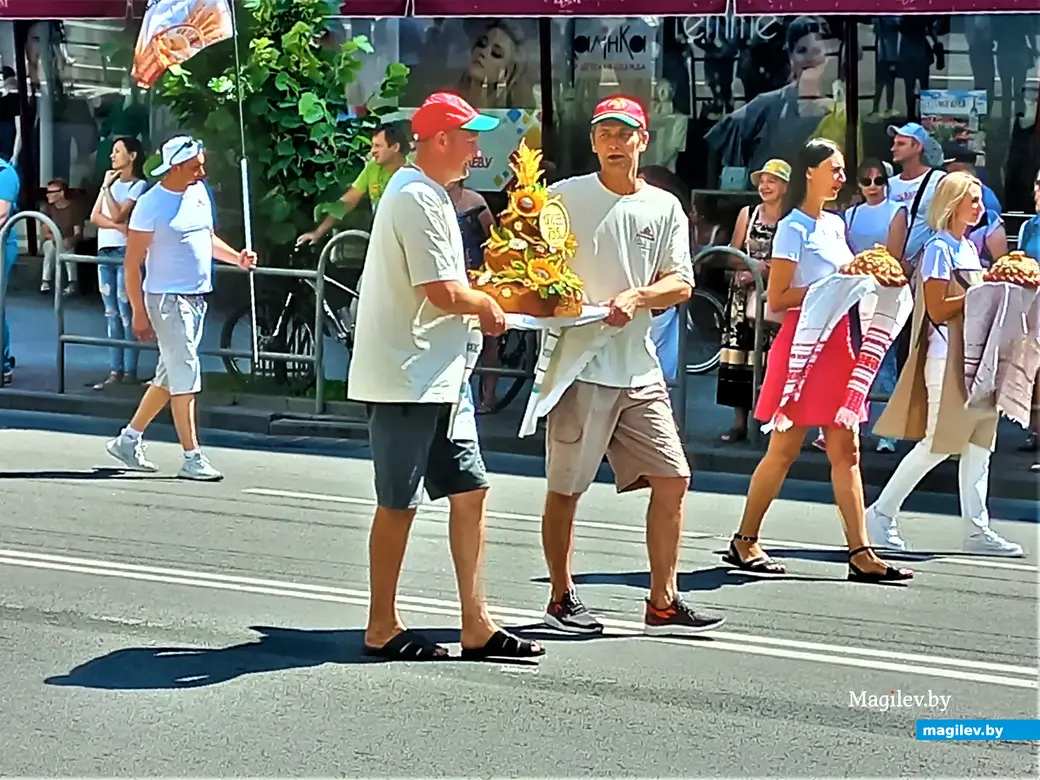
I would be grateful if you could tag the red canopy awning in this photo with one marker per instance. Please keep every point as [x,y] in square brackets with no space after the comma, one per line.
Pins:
[63,9]
[364,8]
[875,7]
[569,7]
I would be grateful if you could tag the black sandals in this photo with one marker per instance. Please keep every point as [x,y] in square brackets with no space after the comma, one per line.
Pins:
[761,564]
[888,576]
[505,646]
[409,645]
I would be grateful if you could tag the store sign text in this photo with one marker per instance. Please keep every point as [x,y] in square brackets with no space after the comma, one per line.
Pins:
[732,27]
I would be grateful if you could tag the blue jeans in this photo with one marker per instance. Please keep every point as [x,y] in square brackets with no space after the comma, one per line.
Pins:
[10,253]
[888,373]
[118,313]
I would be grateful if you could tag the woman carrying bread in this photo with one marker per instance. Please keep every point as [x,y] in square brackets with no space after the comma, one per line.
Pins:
[928,402]
[809,246]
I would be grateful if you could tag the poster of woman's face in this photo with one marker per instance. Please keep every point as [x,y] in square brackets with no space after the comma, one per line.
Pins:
[491,62]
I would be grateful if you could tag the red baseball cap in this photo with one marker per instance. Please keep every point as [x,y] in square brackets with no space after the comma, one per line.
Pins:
[620,109]
[443,111]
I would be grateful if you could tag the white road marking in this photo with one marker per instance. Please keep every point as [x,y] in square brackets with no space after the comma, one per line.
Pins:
[869,658]
[367,502]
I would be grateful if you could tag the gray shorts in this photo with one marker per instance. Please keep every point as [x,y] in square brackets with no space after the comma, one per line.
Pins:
[177,321]
[411,450]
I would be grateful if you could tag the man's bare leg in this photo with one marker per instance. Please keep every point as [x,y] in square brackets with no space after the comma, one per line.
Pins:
[183,408]
[466,526]
[154,401]
[387,542]
[664,521]
[558,540]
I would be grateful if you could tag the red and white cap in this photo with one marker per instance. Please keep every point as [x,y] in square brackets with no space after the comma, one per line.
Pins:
[443,111]
[620,109]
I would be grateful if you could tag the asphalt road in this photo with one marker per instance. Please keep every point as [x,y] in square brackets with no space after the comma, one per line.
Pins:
[151,627]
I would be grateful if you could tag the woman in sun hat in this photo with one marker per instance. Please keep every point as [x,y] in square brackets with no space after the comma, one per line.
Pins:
[753,233]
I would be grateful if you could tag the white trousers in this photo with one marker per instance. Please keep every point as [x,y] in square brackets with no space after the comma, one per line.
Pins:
[50,255]
[972,472]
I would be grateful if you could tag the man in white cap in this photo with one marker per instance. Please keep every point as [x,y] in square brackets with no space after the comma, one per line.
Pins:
[914,186]
[171,234]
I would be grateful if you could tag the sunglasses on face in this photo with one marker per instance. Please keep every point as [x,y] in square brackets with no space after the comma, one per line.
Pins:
[877,181]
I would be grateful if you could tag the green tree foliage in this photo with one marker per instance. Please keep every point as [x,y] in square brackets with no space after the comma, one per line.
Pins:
[303,151]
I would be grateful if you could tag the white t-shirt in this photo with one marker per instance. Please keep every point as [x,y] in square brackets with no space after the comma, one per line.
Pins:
[625,241]
[905,191]
[405,349]
[944,254]
[867,225]
[180,254]
[122,191]
[817,245]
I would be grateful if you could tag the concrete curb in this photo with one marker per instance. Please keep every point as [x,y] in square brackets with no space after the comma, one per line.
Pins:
[812,466]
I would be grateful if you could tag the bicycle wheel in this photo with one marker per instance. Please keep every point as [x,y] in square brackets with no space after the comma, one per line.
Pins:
[705,322]
[294,334]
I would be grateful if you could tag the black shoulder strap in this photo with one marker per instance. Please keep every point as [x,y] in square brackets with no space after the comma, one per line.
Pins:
[915,207]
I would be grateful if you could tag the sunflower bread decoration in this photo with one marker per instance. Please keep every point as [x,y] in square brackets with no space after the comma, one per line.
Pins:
[879,263]
[525,259]
[1015,268]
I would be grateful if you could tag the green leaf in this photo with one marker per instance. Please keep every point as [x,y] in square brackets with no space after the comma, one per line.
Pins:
[312,108]
[286,83]
[220,122]
[285,147]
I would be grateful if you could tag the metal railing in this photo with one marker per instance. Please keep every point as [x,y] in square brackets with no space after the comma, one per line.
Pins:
[317,276]
[754,267]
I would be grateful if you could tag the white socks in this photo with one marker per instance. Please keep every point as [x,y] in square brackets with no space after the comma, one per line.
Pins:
[132,435]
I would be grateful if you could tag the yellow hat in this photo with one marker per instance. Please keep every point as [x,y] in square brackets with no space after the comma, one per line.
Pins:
[778,168]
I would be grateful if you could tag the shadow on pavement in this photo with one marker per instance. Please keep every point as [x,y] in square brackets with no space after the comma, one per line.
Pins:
[841,556]
[88,474]
[703,580]
[277,650]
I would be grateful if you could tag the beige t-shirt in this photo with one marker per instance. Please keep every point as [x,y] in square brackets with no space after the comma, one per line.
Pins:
[405,349]
[625,241]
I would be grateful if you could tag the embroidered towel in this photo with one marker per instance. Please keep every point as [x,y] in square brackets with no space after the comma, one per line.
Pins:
[892,308]
[567,347]
[1001,349]
[826,302]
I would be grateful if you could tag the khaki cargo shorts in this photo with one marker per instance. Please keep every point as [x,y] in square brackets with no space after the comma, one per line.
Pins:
[634,428]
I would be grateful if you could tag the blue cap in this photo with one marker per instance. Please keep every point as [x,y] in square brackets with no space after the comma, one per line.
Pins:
[910,130]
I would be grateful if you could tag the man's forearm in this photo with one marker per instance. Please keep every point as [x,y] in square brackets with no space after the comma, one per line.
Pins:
[467,301]
[668,291]
[132,280]
[224,252]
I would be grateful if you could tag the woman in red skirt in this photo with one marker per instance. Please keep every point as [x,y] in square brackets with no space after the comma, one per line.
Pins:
[809,246]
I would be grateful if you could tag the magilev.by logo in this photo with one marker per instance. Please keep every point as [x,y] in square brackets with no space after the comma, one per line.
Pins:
[898,700]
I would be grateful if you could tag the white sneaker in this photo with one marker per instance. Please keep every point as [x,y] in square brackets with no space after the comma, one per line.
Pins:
[989,542]
[197,467]
[886,445]
[130,452]
[883,531]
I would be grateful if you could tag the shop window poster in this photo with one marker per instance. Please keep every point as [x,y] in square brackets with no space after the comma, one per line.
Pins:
[956,115]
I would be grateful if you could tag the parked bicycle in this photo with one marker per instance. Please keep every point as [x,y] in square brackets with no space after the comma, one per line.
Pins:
[285,320]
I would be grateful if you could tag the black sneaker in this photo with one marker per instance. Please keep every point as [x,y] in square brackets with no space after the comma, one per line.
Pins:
[678,620]
[569,614]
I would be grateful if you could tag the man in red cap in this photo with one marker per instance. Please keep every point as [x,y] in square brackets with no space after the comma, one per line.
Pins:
[408,365]
[634,256]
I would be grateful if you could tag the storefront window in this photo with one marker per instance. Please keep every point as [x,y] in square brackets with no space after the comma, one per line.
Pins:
[970,80]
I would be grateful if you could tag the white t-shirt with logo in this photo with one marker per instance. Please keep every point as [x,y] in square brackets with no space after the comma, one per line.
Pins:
[943,255]
[904,191]
[405,349]
[817,245]
[867,225]
[624,242]
[122,191]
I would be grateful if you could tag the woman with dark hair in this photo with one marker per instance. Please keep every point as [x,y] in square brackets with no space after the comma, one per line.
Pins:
[808,247]
[123,185]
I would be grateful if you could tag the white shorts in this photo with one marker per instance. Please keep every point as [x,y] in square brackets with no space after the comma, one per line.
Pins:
[177,321]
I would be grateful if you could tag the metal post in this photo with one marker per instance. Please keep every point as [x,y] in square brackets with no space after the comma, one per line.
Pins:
[319,314]
[760,290]
[4,232]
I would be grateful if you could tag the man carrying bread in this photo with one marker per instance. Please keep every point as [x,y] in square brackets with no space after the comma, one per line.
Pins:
[408,366]
[634,256]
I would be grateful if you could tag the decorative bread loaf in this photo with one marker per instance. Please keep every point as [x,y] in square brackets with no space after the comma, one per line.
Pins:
[525,259]
[1015,268]
[879,263]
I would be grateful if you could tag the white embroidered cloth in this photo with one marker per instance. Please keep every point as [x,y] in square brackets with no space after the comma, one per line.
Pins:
[1001,348]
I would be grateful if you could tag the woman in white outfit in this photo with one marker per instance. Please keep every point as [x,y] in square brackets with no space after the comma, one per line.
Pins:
[928,402]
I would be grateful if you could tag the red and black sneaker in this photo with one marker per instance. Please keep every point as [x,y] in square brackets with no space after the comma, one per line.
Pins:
[679,619]
[568,614]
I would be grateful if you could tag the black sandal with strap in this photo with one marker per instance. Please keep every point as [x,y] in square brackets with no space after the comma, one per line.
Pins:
[503,645]
[888,576]
[761,564]
[409,645]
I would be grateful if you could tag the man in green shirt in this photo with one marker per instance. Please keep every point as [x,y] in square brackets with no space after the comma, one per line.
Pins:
[389,152]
